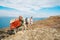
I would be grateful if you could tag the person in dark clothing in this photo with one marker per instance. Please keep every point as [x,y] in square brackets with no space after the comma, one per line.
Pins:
[26,22]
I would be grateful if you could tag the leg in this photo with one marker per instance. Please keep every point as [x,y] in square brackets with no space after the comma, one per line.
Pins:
[15,30]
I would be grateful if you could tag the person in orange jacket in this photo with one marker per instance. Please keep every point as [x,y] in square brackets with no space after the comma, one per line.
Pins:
[15,24]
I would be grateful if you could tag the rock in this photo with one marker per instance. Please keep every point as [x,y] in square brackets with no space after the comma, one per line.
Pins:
[36,34]
[48,29]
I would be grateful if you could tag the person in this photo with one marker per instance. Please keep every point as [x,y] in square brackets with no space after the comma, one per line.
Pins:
[14,25]
[26,22]
[22,24]
[31,20]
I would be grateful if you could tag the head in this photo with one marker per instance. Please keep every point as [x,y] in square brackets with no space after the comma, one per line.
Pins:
[31,17]
[20,17]
[26,18]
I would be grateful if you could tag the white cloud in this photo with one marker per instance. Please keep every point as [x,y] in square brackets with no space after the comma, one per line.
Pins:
[28,5]
[16,14]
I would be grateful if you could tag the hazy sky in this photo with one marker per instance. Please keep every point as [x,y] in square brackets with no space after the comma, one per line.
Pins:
[35,8]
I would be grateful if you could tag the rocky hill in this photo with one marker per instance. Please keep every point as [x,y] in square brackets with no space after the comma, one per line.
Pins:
[36,34]
[48,29]
[53,21]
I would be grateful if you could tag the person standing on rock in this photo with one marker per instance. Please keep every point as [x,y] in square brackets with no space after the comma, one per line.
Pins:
[16,24]
[31,20]
[26,22]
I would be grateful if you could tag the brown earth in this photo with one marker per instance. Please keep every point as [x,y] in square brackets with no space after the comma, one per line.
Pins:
[53,21]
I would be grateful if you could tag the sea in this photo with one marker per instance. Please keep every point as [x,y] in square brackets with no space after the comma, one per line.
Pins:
[5,21]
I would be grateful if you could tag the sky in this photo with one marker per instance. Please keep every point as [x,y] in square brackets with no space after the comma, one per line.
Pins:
[27,8]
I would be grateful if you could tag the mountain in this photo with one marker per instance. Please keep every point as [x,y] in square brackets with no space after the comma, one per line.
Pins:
[47,29]
[53,21]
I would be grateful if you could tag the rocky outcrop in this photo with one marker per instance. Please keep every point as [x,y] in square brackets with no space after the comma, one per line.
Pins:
[36,34]
[48,29]
[53,21]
